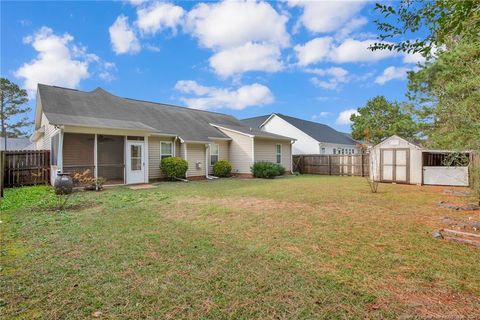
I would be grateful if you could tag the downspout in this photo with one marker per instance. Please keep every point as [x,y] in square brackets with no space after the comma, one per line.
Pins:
[209,177]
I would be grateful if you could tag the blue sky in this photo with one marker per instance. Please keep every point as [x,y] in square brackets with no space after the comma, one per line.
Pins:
[304,59]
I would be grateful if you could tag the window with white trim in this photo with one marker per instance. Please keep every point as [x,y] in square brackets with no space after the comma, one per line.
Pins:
[214,153]
[166,149]
[278,153]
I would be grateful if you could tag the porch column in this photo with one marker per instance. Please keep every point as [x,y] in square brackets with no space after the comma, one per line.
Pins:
[95,157]
[60,152]
[125,160]
[146,160]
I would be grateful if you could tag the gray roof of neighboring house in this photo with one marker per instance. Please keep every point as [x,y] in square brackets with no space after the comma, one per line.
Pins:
[318,131]
[100,108]
[16,144]
[254,132]
[255,122]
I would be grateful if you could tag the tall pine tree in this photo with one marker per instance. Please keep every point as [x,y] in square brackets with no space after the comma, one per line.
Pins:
[13,110]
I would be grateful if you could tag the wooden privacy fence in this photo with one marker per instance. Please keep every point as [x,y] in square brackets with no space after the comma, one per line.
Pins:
[334,165]
[25,167]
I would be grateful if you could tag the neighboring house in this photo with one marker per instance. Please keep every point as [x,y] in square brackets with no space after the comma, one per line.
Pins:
[124,140]
[400,161]
[16,144]
[311,137]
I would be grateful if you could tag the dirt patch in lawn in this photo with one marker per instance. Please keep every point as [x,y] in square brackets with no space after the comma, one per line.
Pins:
[434,303]
[245,203]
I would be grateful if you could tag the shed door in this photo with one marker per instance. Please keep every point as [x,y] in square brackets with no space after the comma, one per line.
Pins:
[394,165]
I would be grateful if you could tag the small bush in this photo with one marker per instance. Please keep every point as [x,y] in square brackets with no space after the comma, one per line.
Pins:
[87,181]
[174,167]
[267,170]
[222,168]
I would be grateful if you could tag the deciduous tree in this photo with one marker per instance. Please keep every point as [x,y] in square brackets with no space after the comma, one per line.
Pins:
[380,118]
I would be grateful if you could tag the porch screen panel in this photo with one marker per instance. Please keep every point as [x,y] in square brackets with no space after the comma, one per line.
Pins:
[78,153]
[110,153]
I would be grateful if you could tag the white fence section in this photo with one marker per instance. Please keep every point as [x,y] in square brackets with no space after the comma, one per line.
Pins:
[446,176]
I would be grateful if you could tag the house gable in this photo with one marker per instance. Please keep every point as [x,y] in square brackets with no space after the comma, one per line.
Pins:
[305,144]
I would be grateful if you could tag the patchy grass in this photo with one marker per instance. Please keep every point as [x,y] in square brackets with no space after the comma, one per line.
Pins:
[298,247]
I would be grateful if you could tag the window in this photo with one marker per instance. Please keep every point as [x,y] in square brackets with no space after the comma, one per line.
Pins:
[334,151]
[214,153]
[136,157]
[166,149]
[323,151]
[278,153]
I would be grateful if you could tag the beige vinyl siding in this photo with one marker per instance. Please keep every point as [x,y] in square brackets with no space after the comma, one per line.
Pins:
[195,153]
[178,146]
[183,151]
[44,142]
[154,156]
[240,151]
[265,150]
[223,152]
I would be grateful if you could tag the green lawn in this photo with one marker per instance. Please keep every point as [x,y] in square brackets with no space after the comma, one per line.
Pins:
[304,247]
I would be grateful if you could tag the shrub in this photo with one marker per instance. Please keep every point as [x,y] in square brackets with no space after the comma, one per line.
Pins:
[174,167]
[87,181]
[222,168]
[267,170]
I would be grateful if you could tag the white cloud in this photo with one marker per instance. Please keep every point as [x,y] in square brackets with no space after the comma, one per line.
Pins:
[249,57]
[413,58]
[392,73]
[351,26]
[234,23]
[313,51]
[58,62]
[349,51]
[217,98]
[321,115]
[352,50]
[122,37]
[159,16]
[344,116]
[136,2]
[335,76]
[326,16]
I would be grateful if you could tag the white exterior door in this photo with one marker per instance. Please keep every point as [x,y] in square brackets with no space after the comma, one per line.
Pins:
[135,162]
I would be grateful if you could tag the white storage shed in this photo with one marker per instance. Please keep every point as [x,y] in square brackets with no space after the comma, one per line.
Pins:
[397,160]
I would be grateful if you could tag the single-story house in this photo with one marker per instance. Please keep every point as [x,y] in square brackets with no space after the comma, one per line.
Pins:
[123,140]
[398,160]
[16,144]
[310,137]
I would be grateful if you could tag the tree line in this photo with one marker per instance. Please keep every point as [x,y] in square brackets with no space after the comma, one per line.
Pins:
[443,97]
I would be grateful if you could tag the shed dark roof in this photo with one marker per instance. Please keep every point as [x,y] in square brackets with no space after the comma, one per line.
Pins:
[100,108]
[16,144]
[318,131]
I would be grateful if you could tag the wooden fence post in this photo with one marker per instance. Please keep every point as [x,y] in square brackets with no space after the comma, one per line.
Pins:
[2,172]
[363,170]
[329,165]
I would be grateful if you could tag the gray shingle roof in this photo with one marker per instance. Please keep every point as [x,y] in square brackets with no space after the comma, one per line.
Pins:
[318,131]
[16,144]
[254,132]
[100,108]
[255,122]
